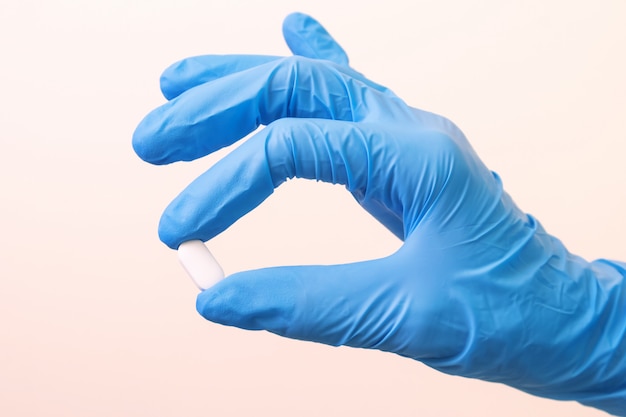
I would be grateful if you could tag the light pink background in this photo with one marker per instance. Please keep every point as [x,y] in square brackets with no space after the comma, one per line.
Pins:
[96,316]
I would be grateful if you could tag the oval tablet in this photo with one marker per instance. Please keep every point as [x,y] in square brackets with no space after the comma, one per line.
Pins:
[199,263]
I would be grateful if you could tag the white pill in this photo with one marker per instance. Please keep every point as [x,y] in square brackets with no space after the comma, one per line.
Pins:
[200,264]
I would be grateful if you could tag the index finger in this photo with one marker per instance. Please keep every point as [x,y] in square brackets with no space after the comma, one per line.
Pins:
[325,150]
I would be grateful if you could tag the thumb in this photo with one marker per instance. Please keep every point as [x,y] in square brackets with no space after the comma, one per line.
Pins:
[306,37]
[352,304]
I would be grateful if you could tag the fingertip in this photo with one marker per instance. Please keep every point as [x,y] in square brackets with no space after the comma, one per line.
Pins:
[183,220]
[305,36]
[184,75]
[217,304]
[208,303]
[138,142]
[142,142]
[167,233]
[243,300]
[296,20]
[169,84]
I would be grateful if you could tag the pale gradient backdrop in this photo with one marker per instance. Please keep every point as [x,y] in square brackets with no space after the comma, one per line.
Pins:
[96,316]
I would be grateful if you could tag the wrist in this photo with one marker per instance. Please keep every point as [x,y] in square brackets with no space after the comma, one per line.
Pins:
[545,321]
[606,343]
[586,338]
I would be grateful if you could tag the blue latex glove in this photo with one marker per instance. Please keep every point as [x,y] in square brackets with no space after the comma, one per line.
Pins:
[478,288]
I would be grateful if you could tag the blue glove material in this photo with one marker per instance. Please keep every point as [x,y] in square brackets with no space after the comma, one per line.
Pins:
[478,288]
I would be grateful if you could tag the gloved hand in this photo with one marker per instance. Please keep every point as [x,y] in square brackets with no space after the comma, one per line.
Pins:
[478,288]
